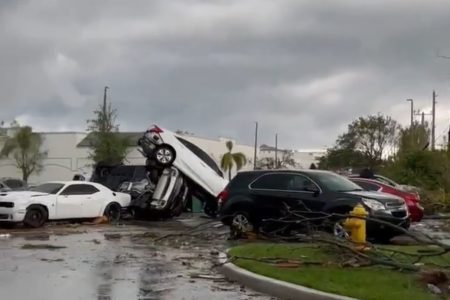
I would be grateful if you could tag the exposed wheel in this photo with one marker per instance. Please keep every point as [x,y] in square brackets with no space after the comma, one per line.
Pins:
[164,155]
[112,212]
[35,217]
[241,223]
[210,210]
[339,231]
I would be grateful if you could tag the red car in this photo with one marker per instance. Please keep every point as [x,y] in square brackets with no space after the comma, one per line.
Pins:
[411,199]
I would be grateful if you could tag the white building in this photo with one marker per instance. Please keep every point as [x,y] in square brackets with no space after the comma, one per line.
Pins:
[302,157]
[68,154]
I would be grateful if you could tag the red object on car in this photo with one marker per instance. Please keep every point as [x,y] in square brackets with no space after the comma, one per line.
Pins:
[411,199]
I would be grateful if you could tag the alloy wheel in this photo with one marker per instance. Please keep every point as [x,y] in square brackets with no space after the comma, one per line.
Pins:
[164,156]
[339,231]
[241,223]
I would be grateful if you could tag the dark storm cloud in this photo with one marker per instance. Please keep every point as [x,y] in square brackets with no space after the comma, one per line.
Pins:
[302,69]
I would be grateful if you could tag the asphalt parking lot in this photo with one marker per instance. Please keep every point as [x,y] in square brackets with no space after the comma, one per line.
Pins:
[131,260]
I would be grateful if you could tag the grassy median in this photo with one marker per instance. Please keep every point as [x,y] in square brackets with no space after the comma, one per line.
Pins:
[319,268]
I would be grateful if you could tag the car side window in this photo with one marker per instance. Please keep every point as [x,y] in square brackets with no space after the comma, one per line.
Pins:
[300,183]
[79,189]
[272,182]
[367,186]
[14,184]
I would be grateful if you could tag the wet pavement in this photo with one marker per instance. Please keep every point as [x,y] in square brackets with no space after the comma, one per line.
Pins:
[139,260]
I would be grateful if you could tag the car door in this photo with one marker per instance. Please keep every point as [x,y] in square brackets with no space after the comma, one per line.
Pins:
[93,201]
[69,202]
[271,195]
[305,196]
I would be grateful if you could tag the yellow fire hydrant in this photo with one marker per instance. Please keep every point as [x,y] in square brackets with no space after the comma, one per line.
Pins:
[356,225]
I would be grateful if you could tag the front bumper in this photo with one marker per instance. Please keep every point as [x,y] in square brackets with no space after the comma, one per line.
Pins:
[12,215]
[399,218]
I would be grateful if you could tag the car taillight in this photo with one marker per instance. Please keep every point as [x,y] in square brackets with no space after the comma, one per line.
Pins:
[222,197]
[155,129]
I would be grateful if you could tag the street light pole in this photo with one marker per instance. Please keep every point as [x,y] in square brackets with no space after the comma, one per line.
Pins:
[276,151]
[256,145]
[412,111]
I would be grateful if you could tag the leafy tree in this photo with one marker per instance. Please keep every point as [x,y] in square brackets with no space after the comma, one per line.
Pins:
[364,144]
[286,160]
[313,166]
[24,147]
[414,138]
[108,146]
[229,159]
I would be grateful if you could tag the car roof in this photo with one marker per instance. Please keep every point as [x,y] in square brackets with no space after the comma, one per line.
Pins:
[301,171]
[74,182]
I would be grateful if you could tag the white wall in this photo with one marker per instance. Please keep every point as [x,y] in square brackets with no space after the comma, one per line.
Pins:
[65,159]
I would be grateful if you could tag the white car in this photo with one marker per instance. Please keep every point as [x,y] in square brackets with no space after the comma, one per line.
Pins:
[167,149]
[61,200]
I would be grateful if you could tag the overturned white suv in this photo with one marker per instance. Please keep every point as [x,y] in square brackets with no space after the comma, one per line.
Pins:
[177,170]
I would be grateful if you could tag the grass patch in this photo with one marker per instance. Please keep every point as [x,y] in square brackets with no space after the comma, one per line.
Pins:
[371,283]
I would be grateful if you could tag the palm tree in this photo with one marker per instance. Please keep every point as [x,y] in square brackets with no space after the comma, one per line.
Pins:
[229,159]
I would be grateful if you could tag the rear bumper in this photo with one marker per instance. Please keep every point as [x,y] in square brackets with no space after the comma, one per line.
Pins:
[416,212]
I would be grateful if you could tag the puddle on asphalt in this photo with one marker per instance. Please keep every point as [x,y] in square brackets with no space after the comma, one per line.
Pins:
[92,266]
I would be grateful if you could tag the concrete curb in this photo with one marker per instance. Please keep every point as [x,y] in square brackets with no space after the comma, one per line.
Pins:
[272,287]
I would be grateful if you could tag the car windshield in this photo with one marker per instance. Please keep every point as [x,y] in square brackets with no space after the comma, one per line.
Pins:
[336,183]
[49,188]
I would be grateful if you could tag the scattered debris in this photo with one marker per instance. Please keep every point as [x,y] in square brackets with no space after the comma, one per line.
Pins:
[52,260]
[434,277]
[112,236]
[100,220]
[39,237]
[287,265]
[214,252]
[42,246]
[209,277]
[95,241]
[434,289]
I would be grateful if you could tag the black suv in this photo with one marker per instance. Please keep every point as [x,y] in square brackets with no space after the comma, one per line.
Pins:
[254,196]
[113,176]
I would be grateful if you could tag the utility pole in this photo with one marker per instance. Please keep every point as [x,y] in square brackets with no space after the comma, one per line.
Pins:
[433,122]
[448,139]
[256,145]
[423,119]
[104,100]
[276,150]
[412,111]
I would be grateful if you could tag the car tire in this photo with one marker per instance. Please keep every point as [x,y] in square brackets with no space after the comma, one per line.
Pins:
[334,224]
[35,217]
[210,210]
[113,212]
[241,223]
[164,155]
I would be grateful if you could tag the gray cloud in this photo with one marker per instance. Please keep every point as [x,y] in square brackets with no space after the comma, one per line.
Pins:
[302,69]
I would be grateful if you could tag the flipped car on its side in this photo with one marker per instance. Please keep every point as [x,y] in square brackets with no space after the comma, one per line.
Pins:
[61,200]
[178,170]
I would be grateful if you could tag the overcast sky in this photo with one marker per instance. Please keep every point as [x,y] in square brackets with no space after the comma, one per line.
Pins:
[304,69]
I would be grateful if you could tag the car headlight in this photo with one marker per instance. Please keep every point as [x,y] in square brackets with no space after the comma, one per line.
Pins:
[373,204]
